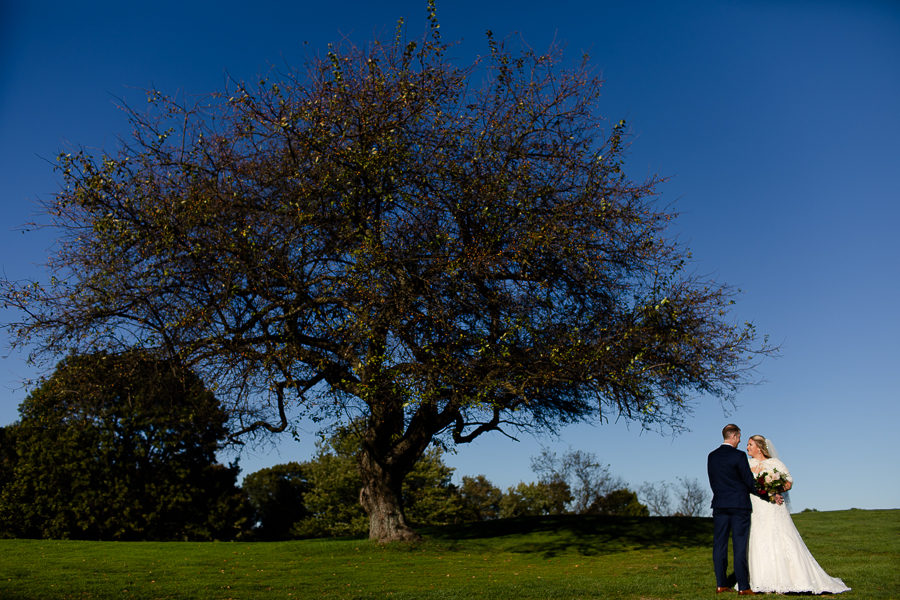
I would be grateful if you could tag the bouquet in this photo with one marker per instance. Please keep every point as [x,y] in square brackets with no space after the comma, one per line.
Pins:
[771,483]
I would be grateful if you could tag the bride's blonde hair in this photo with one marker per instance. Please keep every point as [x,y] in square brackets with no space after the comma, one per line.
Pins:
[761,444]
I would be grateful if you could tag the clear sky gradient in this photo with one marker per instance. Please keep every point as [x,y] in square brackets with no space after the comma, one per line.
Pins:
[778,124]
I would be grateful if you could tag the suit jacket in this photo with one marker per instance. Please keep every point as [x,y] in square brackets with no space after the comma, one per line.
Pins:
[730,478]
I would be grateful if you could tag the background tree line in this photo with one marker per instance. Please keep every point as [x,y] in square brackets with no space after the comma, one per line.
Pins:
[123,447]
[318,497]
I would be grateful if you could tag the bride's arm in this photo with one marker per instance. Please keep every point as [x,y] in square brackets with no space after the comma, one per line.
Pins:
[783,468]
[779,499]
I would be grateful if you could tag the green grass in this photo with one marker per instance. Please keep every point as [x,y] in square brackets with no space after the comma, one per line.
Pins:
[561,557]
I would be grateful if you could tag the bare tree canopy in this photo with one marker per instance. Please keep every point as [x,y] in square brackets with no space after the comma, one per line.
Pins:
[440,251]
[587,478]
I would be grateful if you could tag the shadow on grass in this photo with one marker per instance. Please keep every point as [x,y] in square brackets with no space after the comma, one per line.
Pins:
[580,534]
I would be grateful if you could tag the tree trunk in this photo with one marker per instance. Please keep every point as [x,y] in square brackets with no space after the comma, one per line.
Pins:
[381,499]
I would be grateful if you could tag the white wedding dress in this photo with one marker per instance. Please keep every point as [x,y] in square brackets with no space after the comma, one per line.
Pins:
[778,559]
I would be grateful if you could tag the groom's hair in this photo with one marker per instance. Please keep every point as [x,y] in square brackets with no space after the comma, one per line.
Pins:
[730,430]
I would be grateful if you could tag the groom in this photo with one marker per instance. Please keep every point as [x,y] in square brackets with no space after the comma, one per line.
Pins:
[732,483]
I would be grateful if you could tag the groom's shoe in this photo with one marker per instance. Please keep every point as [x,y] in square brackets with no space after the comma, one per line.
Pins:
[747,592]
[719,590]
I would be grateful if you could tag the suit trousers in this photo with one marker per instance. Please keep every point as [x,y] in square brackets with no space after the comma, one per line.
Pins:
[734,521]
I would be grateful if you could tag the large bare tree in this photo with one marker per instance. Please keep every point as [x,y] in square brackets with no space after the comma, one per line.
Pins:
[441,251]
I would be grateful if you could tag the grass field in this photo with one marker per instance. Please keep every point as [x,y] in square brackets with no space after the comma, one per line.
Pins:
[553,558]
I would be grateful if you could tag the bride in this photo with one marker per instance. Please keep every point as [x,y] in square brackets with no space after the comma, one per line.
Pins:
[779,560]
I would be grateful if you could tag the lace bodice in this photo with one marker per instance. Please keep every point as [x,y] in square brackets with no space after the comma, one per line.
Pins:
[768,464]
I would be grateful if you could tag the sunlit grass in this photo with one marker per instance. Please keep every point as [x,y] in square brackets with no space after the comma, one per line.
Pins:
[569,557]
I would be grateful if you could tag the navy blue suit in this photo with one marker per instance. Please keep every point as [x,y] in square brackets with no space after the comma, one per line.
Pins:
[732,483]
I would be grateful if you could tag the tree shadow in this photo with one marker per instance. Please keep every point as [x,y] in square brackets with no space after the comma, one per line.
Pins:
[580,534]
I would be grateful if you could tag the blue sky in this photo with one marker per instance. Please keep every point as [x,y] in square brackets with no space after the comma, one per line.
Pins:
[776,122]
